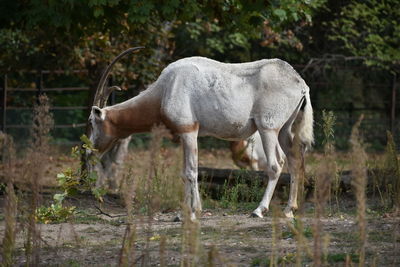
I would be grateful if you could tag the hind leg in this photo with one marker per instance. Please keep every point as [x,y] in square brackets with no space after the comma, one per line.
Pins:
[294,186]
[275,160]
[286,140]
[294,153]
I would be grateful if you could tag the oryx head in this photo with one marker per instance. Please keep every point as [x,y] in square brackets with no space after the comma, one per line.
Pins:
[101,133]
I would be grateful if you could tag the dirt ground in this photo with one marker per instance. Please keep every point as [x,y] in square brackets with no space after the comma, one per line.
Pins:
[227,236]
[95,239]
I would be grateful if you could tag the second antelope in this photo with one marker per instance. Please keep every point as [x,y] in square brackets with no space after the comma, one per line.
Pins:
[198,96]
[249,153]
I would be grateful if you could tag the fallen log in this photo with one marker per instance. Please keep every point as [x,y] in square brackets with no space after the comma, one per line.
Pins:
[215,181]
[233,176]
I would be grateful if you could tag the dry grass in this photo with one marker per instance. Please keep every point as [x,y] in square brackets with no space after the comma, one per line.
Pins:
[325,175]
[37,151]
[360,184]
[10,209]
[152,188]
[32,168]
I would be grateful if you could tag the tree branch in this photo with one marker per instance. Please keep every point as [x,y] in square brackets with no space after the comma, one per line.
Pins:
[108,215]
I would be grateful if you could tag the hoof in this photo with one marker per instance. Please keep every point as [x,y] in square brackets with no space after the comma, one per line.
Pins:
[177,219]
[288,213]
[257,213]
[193,217]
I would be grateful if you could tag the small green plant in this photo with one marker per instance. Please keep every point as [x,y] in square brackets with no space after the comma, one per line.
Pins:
[289,258]
[56,213]
[324,184]
[241,191]
[329,120]
[342,257]
[71,181]
[391,174]
[230,195]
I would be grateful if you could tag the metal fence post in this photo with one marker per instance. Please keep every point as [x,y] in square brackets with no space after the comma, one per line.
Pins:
[393,106]
[4,105]
[39,86]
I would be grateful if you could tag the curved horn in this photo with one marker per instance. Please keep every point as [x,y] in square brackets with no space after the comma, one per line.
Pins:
[106,94]
[101,96]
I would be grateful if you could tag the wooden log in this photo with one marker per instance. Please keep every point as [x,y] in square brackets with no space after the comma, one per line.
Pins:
[233,176]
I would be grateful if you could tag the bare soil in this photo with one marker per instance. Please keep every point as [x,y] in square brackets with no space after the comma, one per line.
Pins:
[95,239]
[227,237]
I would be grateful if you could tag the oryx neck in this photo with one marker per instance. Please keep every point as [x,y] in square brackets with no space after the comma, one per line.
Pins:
[135,115]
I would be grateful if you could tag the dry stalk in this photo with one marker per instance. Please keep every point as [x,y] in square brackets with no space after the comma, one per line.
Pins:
[37,154]
[297,228]
[392,173]
[215,259]
[276,236]
[212,256]
[359,183]
[321,195]
[153,196]
[326,173]
[396,237]
[190,240]
[298,151]
[10,208]
[151,183]
[127,252]
[163,245]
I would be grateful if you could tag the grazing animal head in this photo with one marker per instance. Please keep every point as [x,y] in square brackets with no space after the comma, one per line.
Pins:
[102,133]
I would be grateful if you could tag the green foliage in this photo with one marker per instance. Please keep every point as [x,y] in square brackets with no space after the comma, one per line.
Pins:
[341,257]
[86,35]
[230,195]
[370,29]
[73,34]
[56,213]
[71,181]
[328,121]
[289,258]
[241,191]
[391,173]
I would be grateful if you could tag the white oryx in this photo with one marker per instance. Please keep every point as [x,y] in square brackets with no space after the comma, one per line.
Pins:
[198,96]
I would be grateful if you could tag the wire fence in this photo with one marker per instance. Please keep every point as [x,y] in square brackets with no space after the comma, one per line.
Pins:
[70,120]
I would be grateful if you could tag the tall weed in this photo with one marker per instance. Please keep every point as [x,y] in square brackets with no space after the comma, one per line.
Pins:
[8,159]
[392,173]
[325,174]
[36,164]
[359,182]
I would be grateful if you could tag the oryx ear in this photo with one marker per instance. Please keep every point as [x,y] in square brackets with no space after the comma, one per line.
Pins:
[98,113]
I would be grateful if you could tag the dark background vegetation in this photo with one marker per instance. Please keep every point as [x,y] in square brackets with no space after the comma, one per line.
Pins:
[347,51]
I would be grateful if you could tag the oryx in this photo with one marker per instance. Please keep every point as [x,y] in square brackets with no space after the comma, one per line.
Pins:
[197,96]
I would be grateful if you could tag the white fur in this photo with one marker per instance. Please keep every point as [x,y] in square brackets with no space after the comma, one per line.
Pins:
[229,101]
[306,133]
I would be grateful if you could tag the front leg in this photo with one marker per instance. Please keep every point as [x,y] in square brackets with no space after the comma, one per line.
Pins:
[190,173]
